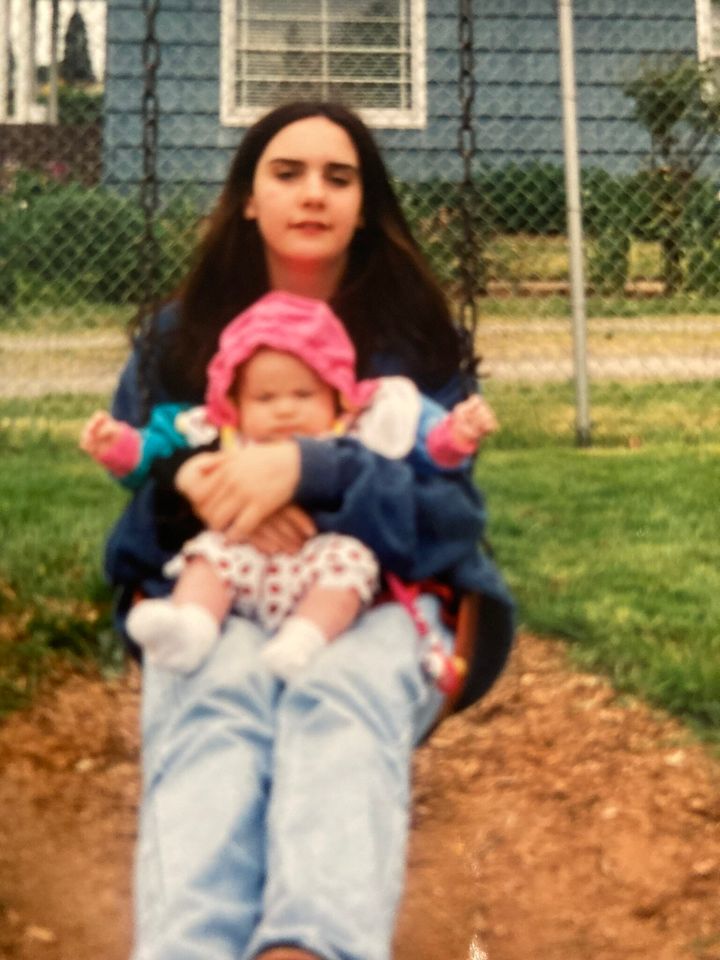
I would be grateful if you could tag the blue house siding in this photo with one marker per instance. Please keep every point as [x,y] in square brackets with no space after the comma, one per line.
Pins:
[517,104]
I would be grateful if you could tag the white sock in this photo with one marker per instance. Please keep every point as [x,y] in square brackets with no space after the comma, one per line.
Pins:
[293,646]
[173,636]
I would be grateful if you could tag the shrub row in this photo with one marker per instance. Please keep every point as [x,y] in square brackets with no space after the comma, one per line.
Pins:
[647,206]
[531,199]
[91,240]
[87,240]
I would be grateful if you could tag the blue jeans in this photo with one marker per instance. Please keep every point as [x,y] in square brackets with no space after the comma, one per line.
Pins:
[275,815]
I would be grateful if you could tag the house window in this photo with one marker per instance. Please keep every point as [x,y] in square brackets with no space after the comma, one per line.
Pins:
[369,54]
[708,28]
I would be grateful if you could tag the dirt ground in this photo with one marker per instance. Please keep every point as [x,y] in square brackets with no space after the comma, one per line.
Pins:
[552,821]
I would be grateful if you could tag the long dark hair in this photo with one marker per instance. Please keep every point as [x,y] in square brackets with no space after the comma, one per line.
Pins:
[387,298]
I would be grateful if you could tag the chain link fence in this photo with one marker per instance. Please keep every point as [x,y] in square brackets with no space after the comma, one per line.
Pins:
[112,145]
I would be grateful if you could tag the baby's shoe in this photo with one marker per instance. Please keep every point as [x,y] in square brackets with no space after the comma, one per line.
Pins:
[173,636]
[292,647]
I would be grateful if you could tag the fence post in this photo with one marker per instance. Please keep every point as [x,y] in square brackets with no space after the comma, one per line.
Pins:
[574,221]
[4,58]
[24,59]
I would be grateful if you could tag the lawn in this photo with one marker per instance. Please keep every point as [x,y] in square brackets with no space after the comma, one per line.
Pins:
[616,547]
[55,507]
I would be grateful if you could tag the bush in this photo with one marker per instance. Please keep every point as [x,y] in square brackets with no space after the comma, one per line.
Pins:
[432,221]
[530,198]
[702,273]
[8,284]
[525,198]
[609,262]
[90,241]
[701,229]
[77,106]
[510,199]
[702,212]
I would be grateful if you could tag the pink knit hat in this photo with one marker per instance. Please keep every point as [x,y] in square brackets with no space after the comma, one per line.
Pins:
[306,328]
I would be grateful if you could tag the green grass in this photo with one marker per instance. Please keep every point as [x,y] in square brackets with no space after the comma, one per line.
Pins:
[615,548]
[55,508]
[538,417]
[49,308]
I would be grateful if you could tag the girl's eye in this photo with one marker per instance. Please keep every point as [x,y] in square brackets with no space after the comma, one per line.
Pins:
[339,181]
[303,394]
[285,174]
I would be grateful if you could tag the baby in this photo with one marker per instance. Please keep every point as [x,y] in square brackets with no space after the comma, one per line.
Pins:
[284,367]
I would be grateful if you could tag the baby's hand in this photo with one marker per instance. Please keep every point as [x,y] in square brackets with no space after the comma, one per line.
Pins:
[472,420]
[100,433]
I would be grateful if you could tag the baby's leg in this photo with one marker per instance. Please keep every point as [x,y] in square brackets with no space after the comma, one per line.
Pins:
[199,583]
[178,632]
[344,577]
[331,609]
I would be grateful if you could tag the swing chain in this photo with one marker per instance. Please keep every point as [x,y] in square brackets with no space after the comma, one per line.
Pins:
[469,265]
[466,141]
[149,260]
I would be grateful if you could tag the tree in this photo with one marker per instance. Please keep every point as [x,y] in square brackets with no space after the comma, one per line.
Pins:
[678,102]
[76,67]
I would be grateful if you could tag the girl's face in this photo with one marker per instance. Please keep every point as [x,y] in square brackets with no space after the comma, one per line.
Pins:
[278,396]
[307,198]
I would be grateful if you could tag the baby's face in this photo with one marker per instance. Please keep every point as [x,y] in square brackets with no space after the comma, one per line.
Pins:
[279,396]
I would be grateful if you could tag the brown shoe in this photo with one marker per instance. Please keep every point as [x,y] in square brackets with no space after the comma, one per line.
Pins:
[287,953]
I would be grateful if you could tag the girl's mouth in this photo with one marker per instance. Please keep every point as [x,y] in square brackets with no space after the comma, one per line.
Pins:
[310,226]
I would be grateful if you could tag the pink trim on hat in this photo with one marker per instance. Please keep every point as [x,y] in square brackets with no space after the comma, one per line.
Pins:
[306,328]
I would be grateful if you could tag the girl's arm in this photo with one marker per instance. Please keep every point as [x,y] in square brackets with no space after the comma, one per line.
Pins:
[451,438]
[126,403]
[234,490]
[418,527]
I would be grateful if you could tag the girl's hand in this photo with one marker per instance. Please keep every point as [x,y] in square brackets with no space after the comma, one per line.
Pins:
[286,531]
[100,433]
[234,490]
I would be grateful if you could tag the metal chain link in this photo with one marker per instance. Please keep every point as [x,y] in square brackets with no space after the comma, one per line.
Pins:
[470,267]
[149,257]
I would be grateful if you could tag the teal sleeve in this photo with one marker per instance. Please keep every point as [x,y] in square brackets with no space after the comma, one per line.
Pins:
[160,438]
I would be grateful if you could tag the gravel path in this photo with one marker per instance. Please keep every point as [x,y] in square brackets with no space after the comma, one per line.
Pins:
[531,351]
[553,820]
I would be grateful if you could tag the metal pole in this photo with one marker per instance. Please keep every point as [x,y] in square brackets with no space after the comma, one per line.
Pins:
[469,261]
[574,221]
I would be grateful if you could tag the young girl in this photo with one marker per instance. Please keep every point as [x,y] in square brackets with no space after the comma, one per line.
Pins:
[284,366]
[274,818]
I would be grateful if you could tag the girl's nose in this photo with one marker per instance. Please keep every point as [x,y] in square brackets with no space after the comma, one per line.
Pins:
[313,188]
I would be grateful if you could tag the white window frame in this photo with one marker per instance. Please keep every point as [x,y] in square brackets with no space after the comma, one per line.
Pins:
[706,47]
[232,115]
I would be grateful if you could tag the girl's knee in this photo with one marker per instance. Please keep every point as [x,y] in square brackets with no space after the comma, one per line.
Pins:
[371,674]
[231,675]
